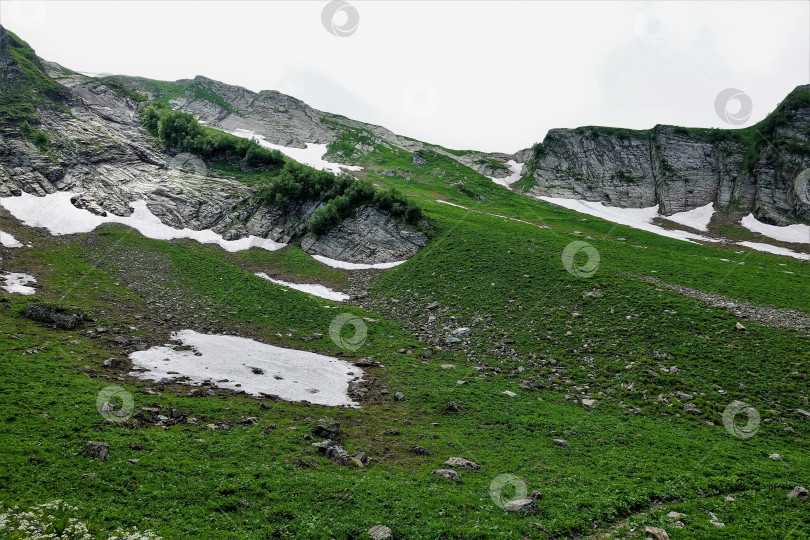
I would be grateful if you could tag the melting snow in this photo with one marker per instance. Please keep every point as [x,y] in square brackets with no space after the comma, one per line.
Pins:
[797,233]
[334,263]
[637,218]
[313,289]
[59,216]
[312,155]
[256,368]
[17,283]
[6,240]
[698,218]
[516,168]
[767,248]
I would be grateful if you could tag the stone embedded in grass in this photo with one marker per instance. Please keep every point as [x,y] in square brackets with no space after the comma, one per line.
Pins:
[798,492]
[521,505]
[97,450]
[691,408]
[560,442]
[327,430]
[461,463]
[803,413]
[447,473]
[739,326]
[399,396]
[655,533]
[588,403]
[509,393]
[452,407]
[420,450]
[775,457]
[62,317]
[380,532]
[462,332]
[675,515]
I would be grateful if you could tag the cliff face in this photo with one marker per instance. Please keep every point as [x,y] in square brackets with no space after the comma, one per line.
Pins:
[752,169]
[62,131]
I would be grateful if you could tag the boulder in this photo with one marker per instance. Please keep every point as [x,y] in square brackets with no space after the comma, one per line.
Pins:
[380,532]
[521,505]
[655,533]
[327,430]
[97,450]
[447,473]
[461,463]
[61,317]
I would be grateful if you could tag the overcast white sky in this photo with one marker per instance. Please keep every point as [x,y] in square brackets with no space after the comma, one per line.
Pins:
[486,75]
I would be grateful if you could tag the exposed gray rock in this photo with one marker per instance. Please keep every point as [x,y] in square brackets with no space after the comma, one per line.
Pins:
[677,169]
[327,430]
[655,533]
[560,442]
[49,314]
[447,473]
[797,492]
[97,450]
[380,532]
[461,463]
[521,505]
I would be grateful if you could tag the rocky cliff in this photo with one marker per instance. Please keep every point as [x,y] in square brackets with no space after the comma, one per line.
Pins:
[60,130]
[752,169]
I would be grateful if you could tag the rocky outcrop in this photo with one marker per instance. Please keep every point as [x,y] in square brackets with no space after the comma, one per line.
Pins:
[679,169]
[96,148]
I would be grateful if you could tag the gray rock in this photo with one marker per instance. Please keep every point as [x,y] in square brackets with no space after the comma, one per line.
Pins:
[461,463]
[380,532]
[691,409]
[560,442]
[797,492]
[420,450]
[447,473]
[399,396]
[327,430]
[461,332]
[803,413]
[97,450]
[51,314]
[521,505]
[589,403]
[655,533]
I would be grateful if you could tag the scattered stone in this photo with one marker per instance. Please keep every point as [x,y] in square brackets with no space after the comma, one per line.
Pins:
[461,463]
[257,371]
[803,413]
[367,362]
[461,383]
[399,396]
[691,409]
[588,403]
[739,326]
[462,332]
[448,366]
[684,396]
[730,499]
[509,393]
[432,305]
[112,363]
[521,505]
[776,457]
[97,450]
[380,532]
[452,340]
[420,450]
[716,522]
[655,533]
[452,407]
[327,430]
[592,294]
[560,442]
[60,317]
[536,495]
[133,461]
[797,492]
[675,515]
[447,473]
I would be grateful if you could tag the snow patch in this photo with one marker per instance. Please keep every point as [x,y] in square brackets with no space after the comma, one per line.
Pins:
[6,240]
[516,169]
[767,248]
[313,289]
[59,216]
[698,218]
[312,155]
[17,283]
[796,233]
[256,368]
[637,218]
[334,263]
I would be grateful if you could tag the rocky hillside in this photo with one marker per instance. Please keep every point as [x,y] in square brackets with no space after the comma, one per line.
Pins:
[752,169]
[60,130]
